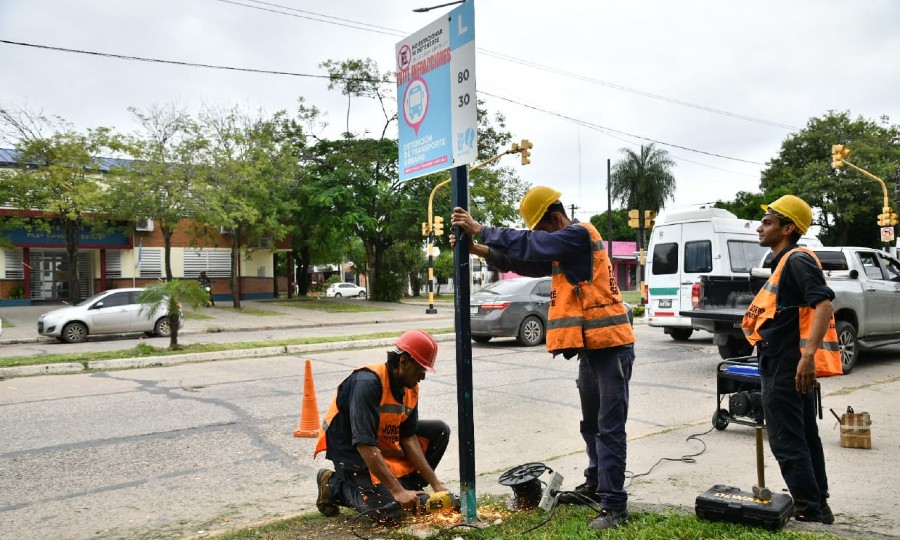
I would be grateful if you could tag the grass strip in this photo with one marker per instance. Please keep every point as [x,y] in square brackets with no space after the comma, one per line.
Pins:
[330,305]
[145,349]
[496,522]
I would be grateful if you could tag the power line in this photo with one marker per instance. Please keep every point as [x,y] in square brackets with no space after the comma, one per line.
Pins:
[357,25]
[600,128]
[590,125]
[180,63]
[651,95]
[313,16]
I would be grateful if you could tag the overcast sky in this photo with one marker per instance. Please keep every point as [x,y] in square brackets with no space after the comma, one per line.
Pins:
[712,77]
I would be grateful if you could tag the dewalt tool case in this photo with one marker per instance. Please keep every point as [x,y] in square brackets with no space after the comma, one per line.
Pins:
[727,503]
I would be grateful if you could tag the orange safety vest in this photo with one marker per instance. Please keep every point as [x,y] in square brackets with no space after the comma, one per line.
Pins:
[765,307]
[390,415]
[590,314]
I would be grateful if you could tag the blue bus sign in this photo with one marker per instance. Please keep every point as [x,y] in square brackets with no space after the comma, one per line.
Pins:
[436,101]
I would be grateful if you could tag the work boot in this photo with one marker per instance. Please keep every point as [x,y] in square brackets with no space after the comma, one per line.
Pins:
[609,519]
[324,502]
[827,515]
[586,493]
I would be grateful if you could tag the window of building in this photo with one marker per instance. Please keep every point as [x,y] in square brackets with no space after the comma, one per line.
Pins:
[15,267]
[150,262]
[113,263]
[216,262]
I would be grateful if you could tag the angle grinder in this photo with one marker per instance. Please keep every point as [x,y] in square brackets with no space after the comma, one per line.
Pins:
[429,503]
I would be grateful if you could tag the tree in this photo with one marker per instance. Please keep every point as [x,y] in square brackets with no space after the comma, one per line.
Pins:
[166,168]
[643,181]
[443,269]
[59,174]
[246,189]
[360,78]
[621,230]
[847,203]
[746,205]
[174,294]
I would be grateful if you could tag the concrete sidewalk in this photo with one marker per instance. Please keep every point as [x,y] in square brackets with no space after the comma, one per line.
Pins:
[223,318]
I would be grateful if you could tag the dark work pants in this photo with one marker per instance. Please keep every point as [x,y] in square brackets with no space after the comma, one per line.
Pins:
[794,434]
[603,376]
[353,487]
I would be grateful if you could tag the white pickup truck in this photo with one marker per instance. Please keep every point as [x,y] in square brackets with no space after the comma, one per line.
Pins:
[866,284]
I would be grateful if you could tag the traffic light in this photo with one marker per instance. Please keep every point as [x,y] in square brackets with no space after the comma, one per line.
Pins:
[525,149]
[425,229]
[633,219]
[892,219]
[438,226]
[838,154]
[649,219]
[883,220]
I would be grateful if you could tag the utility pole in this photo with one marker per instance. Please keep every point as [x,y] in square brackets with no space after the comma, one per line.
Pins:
[572,207]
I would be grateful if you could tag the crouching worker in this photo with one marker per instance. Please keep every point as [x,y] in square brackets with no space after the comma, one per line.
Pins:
[382,453]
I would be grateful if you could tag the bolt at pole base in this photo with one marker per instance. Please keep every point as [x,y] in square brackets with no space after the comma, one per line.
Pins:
[431,311]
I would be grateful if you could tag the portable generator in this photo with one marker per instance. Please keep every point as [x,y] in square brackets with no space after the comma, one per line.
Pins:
[738,378]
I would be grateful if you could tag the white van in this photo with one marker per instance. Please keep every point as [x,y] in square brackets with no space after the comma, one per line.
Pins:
[707,241]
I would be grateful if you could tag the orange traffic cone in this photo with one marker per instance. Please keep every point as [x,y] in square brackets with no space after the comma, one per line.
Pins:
[309,412]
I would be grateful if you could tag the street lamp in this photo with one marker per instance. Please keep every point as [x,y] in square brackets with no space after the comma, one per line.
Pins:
[424,9]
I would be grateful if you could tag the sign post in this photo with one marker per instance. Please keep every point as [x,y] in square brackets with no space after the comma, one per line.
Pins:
[438,117]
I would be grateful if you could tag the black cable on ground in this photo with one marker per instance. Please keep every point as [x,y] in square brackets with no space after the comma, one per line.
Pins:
[687,458]
[367,512]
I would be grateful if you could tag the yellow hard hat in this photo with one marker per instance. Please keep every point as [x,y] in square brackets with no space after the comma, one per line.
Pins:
[794,208]
[535,203]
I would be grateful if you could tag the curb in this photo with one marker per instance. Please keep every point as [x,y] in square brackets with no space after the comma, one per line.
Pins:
[219,329]
[175,359]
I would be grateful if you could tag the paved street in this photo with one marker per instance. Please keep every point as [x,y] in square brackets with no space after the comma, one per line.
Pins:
[170,452]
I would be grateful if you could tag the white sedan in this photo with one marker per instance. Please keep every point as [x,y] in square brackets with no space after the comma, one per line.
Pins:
[116,311]
[338,290]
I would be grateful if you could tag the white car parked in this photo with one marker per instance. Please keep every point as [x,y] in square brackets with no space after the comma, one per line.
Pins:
[116,311]
[337,290]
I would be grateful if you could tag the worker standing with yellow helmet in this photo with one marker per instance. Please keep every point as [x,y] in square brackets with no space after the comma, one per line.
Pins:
[587,318]
[790,321]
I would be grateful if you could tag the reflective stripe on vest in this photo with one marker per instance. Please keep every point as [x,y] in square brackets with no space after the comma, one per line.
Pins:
[590,314]
[390,415]
[765,307]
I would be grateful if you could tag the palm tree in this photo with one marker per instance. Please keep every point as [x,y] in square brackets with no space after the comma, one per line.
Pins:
[173,293]
[643,181]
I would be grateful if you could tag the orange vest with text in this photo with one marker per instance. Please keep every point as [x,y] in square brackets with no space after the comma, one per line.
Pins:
[590,314]
[391,414]
[765,307]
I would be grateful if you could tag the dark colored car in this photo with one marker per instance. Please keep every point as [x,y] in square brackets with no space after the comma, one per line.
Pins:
[514,307]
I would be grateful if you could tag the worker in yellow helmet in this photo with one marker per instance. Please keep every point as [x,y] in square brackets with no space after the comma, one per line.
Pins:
[587,318]
[791,323]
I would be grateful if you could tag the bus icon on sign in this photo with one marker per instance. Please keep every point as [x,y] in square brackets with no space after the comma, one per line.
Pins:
[415,99]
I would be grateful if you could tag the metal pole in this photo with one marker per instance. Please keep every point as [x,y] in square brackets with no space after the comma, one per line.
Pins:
[430,310]
[461,290]
[608,211]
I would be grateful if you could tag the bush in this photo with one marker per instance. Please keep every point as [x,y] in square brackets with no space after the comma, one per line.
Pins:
[17,292]
[388,288]
[637,311]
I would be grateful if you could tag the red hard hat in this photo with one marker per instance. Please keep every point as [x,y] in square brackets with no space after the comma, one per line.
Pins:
[421,346]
